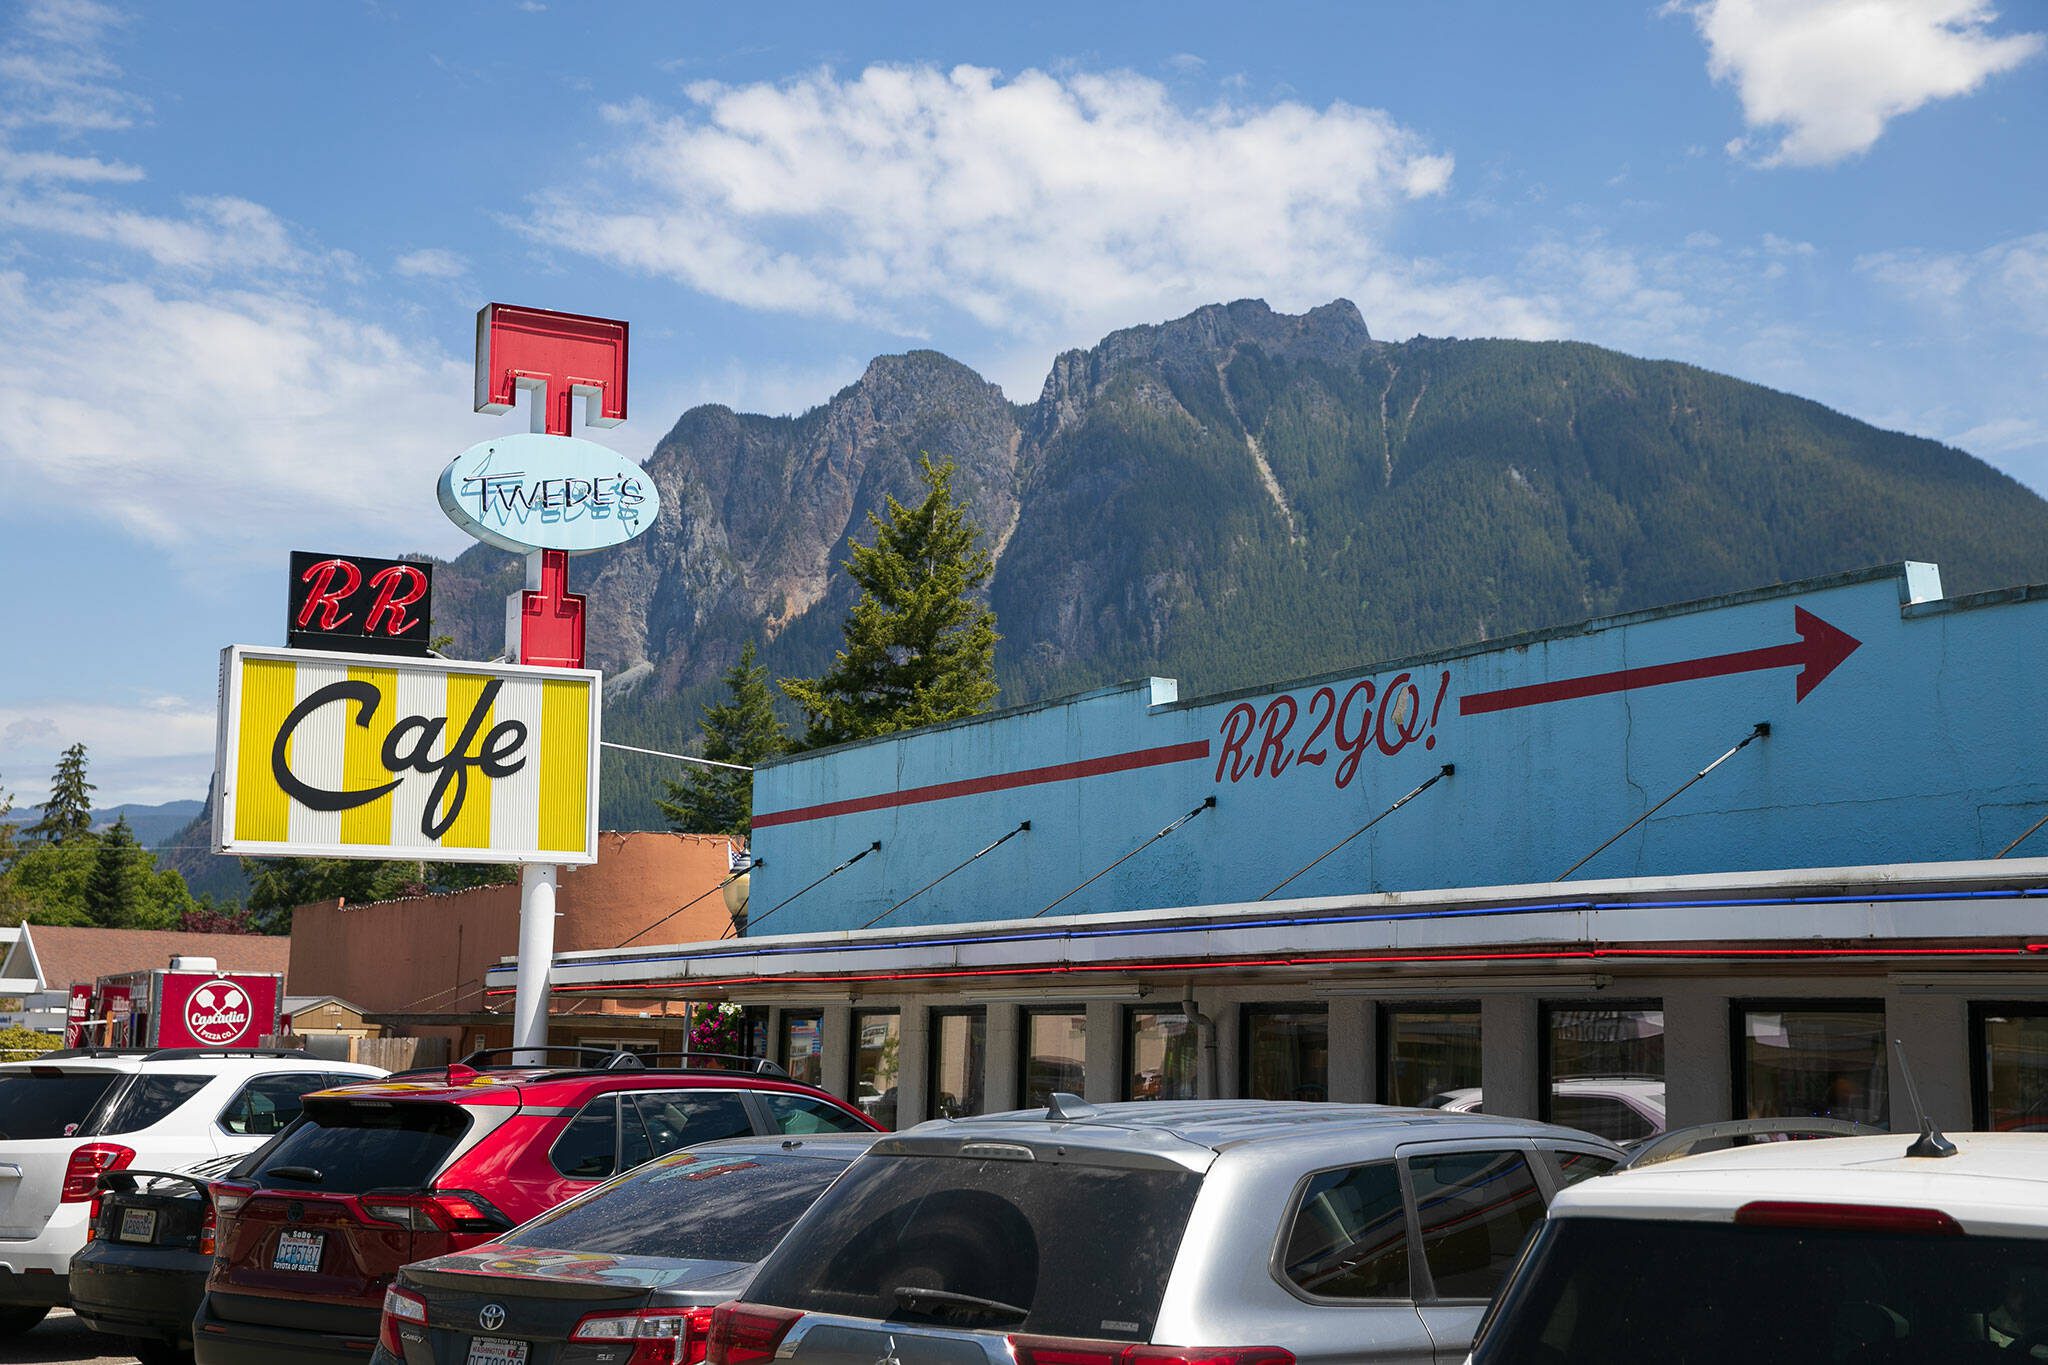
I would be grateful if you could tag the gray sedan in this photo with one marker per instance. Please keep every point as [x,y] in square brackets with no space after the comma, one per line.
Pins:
[1227,1232]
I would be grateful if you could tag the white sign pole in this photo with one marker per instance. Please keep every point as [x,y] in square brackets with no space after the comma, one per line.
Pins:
[536,883]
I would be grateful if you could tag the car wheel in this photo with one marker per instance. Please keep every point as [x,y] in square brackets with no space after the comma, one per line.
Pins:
[15,1321]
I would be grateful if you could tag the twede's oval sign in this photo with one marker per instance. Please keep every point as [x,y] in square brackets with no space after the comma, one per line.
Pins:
[534,492]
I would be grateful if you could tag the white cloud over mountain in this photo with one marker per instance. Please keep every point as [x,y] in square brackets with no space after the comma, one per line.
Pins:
[1823,77]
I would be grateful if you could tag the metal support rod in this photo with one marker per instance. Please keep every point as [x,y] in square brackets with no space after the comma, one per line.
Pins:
[536,954]
[729,880]
[1445,772]
[754,922]
[1762,731]
[681,758]
[943,875]
[2021,840]
[1208,802]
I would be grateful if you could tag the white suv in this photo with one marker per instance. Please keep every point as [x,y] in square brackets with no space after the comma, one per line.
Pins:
[1835,1251]
[67,1116]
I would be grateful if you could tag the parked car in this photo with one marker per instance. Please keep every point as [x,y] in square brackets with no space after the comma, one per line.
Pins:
[142,1271]
[373,1177]
[68,1116]
[634,1267]
[1620,1108]
[1230,1232]
[1833,1251]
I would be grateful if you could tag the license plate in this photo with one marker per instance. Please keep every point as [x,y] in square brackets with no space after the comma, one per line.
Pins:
[496,1351]
[298,1251]
[138,1225]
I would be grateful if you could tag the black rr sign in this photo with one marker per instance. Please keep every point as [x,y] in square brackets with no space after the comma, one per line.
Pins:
[355,603]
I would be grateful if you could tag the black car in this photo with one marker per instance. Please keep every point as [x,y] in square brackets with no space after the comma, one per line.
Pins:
[143,1272]
[625,1274]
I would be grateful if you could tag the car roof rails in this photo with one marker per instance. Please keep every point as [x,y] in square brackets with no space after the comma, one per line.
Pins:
[177,1054]
[588,1059]
[757,1066]
[64,1054]
[1683,1141]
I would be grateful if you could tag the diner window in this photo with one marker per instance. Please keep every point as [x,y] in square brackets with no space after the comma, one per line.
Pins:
[877,1042]
[1159,1055]
[1811,1060]
[2010,1047]
[1055,1046]
[803,1048]
[959,1062]
[1286,1052]
[1605,1069]
[1429,1056]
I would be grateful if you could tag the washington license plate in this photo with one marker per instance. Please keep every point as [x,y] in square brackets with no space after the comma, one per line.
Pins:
[297,1251]
[496,1351]
[138,1225]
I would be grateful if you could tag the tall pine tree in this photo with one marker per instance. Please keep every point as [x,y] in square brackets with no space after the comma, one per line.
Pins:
[68,812]
[920,647]
[743,729]
[110,892]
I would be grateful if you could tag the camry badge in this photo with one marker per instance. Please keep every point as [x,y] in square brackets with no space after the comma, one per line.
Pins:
[492,1317]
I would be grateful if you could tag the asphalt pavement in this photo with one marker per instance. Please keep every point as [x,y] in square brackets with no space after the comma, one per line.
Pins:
[61,1339]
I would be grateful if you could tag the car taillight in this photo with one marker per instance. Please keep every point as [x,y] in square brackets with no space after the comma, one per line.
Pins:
[228,1199]
[209,1230]
[660,1336]
[399,1306]
[446,1211]
[745,1333]
[1789,1213]
[88,1160]
[1086,1351]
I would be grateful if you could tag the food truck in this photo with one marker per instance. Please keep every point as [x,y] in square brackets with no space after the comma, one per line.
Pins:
[191,1003]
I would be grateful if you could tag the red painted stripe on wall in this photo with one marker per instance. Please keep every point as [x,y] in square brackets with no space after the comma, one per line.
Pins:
[975,786]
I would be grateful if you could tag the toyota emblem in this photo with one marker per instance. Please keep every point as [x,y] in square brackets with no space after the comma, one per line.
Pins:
[492,1317]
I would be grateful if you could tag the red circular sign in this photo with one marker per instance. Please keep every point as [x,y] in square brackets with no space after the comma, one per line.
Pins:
[218,1013]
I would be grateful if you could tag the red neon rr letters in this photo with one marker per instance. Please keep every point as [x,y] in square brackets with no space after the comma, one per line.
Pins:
[325,597]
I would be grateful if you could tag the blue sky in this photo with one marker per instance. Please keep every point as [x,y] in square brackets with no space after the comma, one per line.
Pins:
[242,245]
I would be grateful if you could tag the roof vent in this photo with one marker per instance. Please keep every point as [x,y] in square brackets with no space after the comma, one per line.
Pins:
[182,963]
[1065,1108]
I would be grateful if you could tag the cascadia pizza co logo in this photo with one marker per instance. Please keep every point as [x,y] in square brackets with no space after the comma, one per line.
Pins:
[218,1013]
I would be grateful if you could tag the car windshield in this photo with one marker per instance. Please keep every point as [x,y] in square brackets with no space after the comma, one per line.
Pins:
[1613,1291]
[691,1206]
[48,1103]
[348,1146]
[1055,1247]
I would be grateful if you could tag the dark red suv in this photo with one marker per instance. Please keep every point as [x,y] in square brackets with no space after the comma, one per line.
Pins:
[375,1176]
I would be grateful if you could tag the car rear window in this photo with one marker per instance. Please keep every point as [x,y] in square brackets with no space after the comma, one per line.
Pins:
[356,1145]
[144,1100]
[692,1206]
[1084,1250]
[49,1103]
[1611,1291]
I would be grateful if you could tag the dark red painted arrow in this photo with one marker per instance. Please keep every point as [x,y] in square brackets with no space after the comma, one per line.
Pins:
[1817,652]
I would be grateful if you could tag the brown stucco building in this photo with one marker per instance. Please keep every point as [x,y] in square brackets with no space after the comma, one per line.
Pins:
[417,965]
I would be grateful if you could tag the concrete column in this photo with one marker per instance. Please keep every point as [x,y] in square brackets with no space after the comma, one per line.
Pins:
[1229,1049]
[1936,1031]
[914,1063]
[1352,1049]
[1510,1058]
[835,1059]
[1105,1060]
[1699,1077]
[1001,1082]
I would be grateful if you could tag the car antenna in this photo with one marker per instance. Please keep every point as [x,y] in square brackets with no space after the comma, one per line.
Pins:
[1931,1142]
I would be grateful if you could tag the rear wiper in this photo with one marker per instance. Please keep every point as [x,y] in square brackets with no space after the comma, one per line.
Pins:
[944,1306]
[305,1175]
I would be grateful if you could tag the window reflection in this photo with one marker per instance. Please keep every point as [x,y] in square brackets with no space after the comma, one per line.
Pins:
[1055,1054]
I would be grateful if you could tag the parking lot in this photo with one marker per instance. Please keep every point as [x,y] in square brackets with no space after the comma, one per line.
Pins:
[63,1340]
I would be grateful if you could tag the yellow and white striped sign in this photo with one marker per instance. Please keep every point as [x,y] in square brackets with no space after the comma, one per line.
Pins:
[366,756]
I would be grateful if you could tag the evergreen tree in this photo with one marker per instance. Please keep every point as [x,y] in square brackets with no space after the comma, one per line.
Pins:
[68,812]
[110,898]
[744,729]
[920,647]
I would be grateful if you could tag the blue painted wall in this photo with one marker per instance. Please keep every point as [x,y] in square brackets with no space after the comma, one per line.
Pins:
[1924,744]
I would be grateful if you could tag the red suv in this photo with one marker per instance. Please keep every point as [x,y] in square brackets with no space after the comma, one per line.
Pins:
[375,1176]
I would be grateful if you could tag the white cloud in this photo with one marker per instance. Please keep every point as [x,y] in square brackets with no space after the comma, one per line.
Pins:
[1032,205]
[152,749]
[56,166]
[220,233]
[431,263]
[1826,76]
[2005,284]
[53,73]
[225,422]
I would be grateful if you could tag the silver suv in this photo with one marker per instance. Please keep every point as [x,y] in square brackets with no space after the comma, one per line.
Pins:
[1224,1232]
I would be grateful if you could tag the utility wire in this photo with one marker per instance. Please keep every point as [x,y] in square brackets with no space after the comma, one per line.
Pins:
[943,875]
[1448,769]
[754,921]
[1762,731]
[684,758]
[1207,803]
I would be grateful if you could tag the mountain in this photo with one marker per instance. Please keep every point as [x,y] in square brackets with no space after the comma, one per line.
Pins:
[1240,496]
[189,851]
[149,824]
